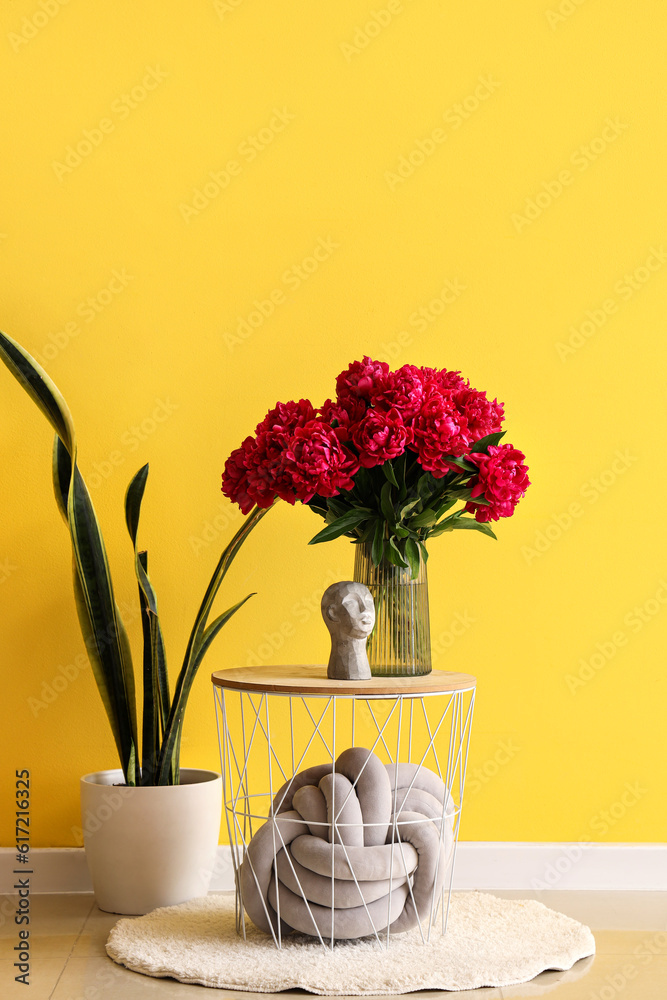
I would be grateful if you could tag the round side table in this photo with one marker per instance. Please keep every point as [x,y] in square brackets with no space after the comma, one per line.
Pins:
[274,722]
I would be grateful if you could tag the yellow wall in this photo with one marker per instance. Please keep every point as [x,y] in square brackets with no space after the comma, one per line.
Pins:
[574,87]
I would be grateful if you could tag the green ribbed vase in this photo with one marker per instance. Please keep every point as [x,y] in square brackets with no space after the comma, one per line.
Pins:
[400,643]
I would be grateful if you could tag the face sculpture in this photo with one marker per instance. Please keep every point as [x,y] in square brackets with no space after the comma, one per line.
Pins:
[348,610]
[349,614]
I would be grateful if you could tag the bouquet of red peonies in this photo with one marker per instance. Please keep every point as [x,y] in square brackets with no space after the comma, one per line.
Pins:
[385,461]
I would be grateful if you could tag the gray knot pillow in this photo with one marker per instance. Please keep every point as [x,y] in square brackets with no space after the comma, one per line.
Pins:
[350,849]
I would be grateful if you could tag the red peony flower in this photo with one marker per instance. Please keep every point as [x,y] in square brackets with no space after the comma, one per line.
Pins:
[359,379]
[441,380]
[482,416]
[403,390]
[255,473]
[380,436]
[342,416]
[235,477]
[440,429]
[285,417]
[317,462]
[503,480]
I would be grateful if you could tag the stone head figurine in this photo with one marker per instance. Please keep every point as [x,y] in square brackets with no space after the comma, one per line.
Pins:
[349,614]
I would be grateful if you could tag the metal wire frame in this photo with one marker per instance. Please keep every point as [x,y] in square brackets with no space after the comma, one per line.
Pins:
[246,745]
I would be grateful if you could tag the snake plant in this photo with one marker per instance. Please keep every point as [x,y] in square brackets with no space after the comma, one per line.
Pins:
[102,627]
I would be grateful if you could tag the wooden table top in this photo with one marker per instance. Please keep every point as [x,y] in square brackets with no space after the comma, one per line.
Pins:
[311,679]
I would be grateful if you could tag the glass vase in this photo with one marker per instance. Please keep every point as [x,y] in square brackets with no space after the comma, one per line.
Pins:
[400,643]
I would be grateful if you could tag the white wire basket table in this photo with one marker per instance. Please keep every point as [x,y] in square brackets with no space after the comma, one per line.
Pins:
[342,799]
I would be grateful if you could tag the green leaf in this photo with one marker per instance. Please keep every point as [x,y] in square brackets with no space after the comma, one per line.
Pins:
[102,628]
[462,464]
[412,556]
[367,533]
[100,620]
[41,389]
[424,551]
[340,526]
[318,505]
[394,556]
[377,548]
[388,470]
[102,665]
[426,519]
[386,504]
[481,447]
[399,466]
[336,507]
[470,523]
[405,510]
[155,675]
[362,492]
[197,642]
[445,507]
[425,485]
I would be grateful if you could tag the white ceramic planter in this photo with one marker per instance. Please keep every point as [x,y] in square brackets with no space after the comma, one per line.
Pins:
[150,846]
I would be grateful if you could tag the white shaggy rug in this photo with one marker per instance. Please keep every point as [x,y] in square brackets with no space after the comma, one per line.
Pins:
[489,942]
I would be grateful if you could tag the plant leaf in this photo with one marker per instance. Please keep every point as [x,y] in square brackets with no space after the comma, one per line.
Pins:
[470,523]
[155,675]
[109,636]
[388,470]
[192,657]
[425,485]
[462,464]
[377,548]
[412,556]
[340,526]
[445,507]
[481,447]
[426,519]
[41,389]
[394,555]
[386,505]
[406,508]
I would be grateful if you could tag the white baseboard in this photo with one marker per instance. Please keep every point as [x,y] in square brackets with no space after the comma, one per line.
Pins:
[479,865]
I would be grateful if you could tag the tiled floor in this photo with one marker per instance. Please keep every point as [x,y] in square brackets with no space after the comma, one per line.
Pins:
[69,962]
